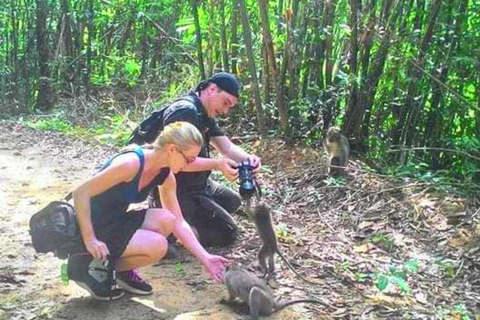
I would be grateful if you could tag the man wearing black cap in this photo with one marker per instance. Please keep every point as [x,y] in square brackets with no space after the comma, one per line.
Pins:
[206,205]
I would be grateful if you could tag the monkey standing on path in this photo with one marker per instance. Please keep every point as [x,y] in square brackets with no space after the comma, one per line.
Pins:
[247,287]
[337,149]
[263,222]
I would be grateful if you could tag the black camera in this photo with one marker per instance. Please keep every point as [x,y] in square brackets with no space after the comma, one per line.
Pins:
[245,175]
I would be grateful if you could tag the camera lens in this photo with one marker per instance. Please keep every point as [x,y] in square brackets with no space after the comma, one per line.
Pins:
[247,187]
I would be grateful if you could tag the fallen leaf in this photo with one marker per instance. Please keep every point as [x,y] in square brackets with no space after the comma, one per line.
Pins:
[364,248]
[421,297]
[439,222]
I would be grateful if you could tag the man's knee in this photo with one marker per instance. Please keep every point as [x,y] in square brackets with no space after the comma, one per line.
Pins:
[215,236]
[234,203]
[230,237]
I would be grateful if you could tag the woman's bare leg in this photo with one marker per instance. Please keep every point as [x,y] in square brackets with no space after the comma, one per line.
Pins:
[149,243]
[159,220]
[145,247]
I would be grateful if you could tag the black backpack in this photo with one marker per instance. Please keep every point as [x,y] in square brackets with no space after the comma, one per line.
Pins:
[54,226]
[148,129]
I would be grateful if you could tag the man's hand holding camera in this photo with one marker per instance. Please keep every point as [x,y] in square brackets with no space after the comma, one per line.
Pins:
[228,168]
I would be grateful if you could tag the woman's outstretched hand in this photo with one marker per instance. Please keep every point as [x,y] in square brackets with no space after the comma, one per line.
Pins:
[216,265]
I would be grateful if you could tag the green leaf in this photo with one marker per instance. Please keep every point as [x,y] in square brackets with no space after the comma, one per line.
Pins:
[132,67]
[412,266]
[382,283]
[400,274]
[401,283]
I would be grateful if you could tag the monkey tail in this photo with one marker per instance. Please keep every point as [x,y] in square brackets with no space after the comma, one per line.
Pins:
[283,304]
[293,269]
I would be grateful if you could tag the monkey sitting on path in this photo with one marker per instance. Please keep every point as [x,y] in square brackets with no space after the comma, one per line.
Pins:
[338,151]
[251,290]
[263,223]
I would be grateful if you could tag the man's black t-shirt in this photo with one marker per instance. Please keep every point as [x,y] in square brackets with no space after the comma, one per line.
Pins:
[190,109]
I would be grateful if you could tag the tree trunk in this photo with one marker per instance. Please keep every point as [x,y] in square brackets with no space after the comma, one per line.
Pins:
[91,36]
[277,83]
[292,53]
[14,85]
[356,115]
[265,75]
[234,43]
[45,98]
[411,111]
[367,41]
[145,46]
[352,102]
[251,66]
[326,47]
[434,123]
[69,71]
[212,41]
[223,37]
[198,34]
[28,48]
[312,64]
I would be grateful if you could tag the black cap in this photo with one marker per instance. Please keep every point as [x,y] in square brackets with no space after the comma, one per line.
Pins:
[225,81]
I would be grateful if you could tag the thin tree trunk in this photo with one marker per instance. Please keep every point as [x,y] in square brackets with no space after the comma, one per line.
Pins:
[91,36]
[145,46]
[312,65]
[126,34]
[223,37]
[14,85]
[367,41]
[355,116]
[265,75]
[352,102]
[69,72]
[198,34]
[251,66]
[412,110]
[327,45]
[433,135]
[45,98]
[211,39]
[28,48]
[277,83]
[292,54]
[234,42]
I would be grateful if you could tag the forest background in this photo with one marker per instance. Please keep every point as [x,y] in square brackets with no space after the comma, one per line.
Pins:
[401,77]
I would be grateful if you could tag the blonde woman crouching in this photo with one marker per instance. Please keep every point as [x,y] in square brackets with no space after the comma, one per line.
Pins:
[135,238]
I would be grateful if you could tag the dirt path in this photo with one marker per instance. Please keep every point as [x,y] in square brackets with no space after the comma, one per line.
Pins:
[36,168]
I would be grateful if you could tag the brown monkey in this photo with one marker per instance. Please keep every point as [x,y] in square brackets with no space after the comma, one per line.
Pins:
[263,222]
[251,290]
[338,150]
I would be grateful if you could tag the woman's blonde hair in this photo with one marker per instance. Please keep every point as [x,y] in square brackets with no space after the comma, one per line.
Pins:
[182,134]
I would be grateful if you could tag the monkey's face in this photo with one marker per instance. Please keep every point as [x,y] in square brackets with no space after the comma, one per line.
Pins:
[333,133]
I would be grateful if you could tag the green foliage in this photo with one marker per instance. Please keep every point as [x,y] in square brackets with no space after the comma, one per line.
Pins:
[281,230]
[383,240]
[179,268]
[447,267]
[345,265]
[110,130]
[51,124]
[396,275]
[147,51]
[460,310]
[335,181]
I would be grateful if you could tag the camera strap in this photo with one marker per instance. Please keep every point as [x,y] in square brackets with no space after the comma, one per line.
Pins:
[258,189]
